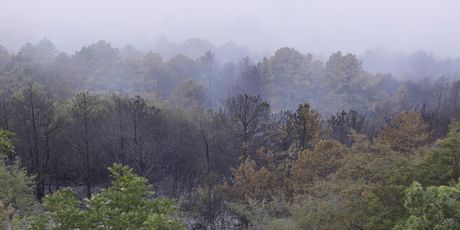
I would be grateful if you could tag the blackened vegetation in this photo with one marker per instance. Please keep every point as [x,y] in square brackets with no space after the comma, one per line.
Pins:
[228,137]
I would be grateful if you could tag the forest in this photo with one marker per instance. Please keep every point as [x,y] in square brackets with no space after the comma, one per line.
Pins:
[191,138]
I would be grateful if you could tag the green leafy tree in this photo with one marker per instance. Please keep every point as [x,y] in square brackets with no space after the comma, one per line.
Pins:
[431,208]
[16,188]
[442,165]
[127,204]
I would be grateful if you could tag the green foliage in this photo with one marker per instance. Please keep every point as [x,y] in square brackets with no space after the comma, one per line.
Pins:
[250,213]
[331,205]
[431,208]
[265,214]
[442,165]
[126,204]
[16,192]
[5,144]
[64,210]
[16,187]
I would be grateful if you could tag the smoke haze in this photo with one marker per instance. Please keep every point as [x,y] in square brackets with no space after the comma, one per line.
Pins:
[315,26]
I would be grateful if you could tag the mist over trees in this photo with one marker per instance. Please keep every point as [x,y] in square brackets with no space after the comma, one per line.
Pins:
[419,65]
[285,141]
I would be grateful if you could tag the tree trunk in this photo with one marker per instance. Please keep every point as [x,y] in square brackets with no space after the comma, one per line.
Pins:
[6,217]
[87,155]
[121,134]
[35,160]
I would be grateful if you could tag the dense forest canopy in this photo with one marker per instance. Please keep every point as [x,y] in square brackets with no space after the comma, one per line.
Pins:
[287,141]
[195,70]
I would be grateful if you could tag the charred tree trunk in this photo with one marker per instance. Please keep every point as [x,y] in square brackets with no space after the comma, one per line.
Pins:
[86,143]
[121,128]
[36,151]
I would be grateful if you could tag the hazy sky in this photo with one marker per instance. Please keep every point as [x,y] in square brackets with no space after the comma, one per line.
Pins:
[317,26]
